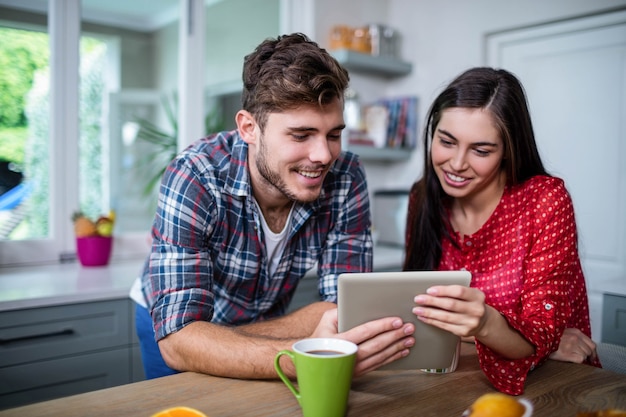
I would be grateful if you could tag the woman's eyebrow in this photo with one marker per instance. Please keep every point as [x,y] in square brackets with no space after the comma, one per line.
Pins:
[446,133]
[451,136]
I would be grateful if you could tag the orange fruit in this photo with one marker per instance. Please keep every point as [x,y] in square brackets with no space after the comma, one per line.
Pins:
[84,227]
[496,405]
[179,411]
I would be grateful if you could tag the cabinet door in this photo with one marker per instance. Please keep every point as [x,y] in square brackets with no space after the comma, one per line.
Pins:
[43,333]
[136,365]
[46,380]
[614,319]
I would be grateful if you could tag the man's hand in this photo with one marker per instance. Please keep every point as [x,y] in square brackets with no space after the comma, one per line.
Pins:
[575,346]
[380,341]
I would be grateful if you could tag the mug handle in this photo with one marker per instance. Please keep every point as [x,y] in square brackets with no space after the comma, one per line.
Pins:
[282,375]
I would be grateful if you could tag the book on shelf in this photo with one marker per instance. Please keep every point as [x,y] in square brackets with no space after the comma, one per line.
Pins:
[402,122]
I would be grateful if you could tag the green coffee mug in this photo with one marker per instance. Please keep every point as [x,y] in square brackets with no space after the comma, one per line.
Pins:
[324,370]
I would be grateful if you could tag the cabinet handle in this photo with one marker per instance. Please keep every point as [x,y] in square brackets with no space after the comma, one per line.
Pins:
[65,332]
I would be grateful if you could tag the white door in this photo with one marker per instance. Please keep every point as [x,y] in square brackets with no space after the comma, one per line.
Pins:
[574,73]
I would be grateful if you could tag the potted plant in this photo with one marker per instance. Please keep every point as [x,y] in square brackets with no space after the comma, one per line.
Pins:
[94,239]
[165,140]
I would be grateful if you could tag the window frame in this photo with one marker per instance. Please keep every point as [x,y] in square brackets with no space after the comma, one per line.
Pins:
[64,32]
[64,36]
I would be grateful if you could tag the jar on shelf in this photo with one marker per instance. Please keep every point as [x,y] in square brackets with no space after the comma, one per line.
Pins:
[384,40]
[361,40]
[352,110]
[340,37]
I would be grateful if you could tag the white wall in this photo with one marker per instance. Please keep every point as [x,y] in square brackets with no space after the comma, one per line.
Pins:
[442,38]
[233,29]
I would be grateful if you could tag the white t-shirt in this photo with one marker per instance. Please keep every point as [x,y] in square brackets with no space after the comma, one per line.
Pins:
[275,242]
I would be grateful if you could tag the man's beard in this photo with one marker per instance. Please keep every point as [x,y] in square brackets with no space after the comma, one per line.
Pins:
[271,177]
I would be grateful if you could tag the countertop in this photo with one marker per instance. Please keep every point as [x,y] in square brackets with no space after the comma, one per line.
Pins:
[40,286]
[48,285]
[66,283]
[555,389]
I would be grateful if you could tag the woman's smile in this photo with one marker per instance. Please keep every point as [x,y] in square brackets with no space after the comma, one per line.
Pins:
[455,180]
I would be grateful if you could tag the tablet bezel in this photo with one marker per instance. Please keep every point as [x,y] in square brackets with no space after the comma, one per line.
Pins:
[362,297]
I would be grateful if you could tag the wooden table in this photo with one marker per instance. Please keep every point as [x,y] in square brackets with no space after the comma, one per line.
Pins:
[556,389]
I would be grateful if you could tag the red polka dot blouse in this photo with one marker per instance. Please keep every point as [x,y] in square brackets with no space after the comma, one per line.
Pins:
[525,259]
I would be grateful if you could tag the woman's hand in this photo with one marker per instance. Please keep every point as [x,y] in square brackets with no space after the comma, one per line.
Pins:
[455,308]
[463,312]
[380,341]
[575,346]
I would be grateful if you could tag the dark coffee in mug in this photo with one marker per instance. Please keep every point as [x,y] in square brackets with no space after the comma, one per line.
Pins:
[324,352]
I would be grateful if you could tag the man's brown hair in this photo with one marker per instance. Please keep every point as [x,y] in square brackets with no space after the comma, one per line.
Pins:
[289,72]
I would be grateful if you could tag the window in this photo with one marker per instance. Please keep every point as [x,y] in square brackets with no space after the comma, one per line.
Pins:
[24,81]
[95,79]
[67,140]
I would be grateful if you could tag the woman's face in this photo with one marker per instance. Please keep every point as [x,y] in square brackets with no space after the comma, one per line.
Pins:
[467,152]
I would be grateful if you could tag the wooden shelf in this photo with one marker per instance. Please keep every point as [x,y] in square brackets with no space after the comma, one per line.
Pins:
[370,153]
[373,65]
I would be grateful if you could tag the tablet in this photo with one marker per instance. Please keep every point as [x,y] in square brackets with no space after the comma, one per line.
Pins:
[362,297]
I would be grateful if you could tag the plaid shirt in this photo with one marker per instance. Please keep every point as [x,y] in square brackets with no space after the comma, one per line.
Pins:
[208,259]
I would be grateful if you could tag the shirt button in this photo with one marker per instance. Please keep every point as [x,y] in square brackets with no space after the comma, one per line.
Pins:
[548,306]
[468,243]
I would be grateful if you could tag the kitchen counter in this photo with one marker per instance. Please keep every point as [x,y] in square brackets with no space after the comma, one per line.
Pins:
[57,284]
[555,389]
[68,329]
[49,285]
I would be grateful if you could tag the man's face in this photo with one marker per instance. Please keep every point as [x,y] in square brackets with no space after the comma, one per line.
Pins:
[291,158]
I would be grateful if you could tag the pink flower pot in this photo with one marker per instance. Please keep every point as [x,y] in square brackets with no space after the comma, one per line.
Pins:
[94,250]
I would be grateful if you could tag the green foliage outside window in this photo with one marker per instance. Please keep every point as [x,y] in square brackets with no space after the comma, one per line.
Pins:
[22,54]
[24,121]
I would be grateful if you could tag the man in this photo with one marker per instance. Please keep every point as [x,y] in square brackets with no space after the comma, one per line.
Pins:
[243,215]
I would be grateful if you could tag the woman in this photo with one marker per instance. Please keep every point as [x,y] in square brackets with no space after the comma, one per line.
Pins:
[486,204]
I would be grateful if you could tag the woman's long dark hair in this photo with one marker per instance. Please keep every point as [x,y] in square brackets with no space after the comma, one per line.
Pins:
[501,93]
